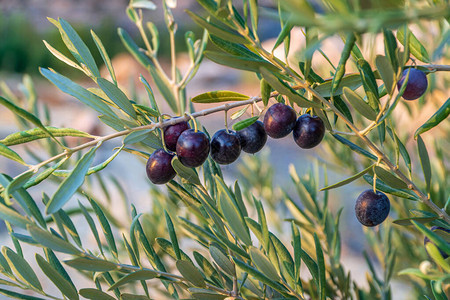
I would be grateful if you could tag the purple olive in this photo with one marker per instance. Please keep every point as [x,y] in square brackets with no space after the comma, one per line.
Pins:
[253,137]
[192,148]
[172,133]
[416,86]
[308,131]
[372,208]
[279,120]
[159,167]
[225,147]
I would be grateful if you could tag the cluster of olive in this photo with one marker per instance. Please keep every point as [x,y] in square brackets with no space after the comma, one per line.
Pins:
[192,147]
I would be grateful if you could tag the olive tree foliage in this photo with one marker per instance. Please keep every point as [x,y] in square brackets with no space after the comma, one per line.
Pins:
[243,249]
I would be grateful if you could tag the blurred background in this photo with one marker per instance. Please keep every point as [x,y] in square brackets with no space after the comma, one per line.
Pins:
[23,27]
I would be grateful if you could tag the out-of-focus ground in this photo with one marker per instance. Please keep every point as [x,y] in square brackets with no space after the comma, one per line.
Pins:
[67,111]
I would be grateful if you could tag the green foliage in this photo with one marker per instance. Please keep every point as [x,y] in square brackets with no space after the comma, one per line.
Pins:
[238,230]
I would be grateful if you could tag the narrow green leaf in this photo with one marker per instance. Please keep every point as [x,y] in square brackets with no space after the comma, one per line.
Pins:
[359,104]
[407,221]
[219,96]
[10,154]
[173,235]
[69,87]
[13,217]
[95,294]
[266,89]
[233,214]
[390,49]
[190,272]
[244,123]
[17,182]
[390,179]
[184,172]
[222,260]
[146,136]
[263,264]
[415,46]
[37,133]
[386,72]
[440,115]
[133,48]
[106,227]
[285,89]
[71,184]
[351,81]
[105,56]
[150,94]
[238,62]
[234,49]
[51,241]
[117,96]
[77,47]
[440,242]
[348,180]
[88,264]
[58,280]
[21,268]
[369,83]
[167,247]
[424,161]
[165,88]
[263,221]
[354,147]
[216,30]
[18,296]
[63,58]
[433,251]
[135,276]
[297,244]
[380,185]
[321,268]
[239,113]
[340,70]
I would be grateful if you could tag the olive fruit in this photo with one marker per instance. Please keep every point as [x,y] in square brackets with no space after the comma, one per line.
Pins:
[279,120]
[225,147]
[308,131]
[159,167]
[372,208]
[417,84]
[172,133]
[253,137]
[192,148]
[437,229]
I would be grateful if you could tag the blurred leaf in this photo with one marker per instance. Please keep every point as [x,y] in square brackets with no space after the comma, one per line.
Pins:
[433,251]
[424,161]
[138,275]
[434,237]
[18,296]
[51,241]
[285,89]
[21,268]
[58,280]
[184,172]
[106,227]
[418,273]
[13,217]
[244,123]
[390,179]
[238,62]
[143,4]
[440,115]
[348,180]
[95,294]
[386,72]
[88,264]
[117,96]
[69,87]
[359,104]
[415,47]
[351,81]
[222,260]
[266,89]
[190,272]
[263,264]
[71,184]
[407,221]
[216,30]
[219,96]
[37,133]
